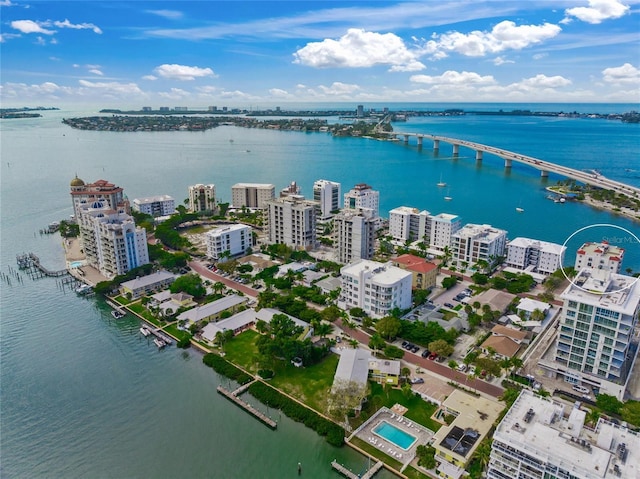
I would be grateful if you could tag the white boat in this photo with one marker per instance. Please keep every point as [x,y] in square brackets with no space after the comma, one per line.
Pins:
[448,197]
[441,183]
[117,314]
[159,342]
[83,289]
[519,210]
[145,331]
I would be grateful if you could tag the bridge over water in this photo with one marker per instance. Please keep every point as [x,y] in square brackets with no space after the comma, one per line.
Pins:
[545,167]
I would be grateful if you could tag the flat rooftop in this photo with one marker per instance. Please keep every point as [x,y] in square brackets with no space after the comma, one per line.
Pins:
[605,289]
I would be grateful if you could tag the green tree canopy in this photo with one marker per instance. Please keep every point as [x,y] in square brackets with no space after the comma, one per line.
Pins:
[441,348]
[388,327]
[190,284]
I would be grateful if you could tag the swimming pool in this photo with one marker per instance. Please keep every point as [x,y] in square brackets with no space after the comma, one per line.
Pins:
[392,434]
[75,264]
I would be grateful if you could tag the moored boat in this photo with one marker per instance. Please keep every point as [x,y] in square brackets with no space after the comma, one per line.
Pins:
[145,331]
[83,289]
[117,314]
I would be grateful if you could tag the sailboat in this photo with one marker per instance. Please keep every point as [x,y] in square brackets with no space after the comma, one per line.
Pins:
[441,183]
[519,208]
[448,197]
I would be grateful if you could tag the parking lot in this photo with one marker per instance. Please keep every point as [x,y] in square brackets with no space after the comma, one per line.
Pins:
[448,297]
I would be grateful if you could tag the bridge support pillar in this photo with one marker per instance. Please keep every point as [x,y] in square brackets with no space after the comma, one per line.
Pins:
[406,138]
[456,149]
[436,144]
[420,141]
[544,174]
[507,163]
[479,155]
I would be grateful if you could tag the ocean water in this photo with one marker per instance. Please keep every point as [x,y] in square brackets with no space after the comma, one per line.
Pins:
[85,396]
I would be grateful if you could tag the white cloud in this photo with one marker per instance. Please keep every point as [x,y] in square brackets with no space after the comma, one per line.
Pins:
[540,56]
[6,3]
[279,93]
[626,73]
[78,26]
[175,94]
[597,11]
[95,71]
[183,72]
[150,77]
[359,49]
[451,77]
[339,88]
[29,26]
[543,81]
[506,35]
[40,41]
[501,61]
[8,36]
[168,14]
[111,87]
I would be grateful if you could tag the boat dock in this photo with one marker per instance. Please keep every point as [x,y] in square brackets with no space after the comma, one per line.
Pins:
[352,475]
[233,397]
[31,263]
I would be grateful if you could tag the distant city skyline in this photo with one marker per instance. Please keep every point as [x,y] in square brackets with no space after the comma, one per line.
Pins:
[263,53]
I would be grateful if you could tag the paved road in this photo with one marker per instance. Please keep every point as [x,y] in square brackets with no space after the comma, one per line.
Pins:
[203,271]
[433,366]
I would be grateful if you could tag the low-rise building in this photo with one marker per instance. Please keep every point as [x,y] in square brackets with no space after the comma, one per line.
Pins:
[156,206]
[455,443]
[228,241]
[540,438]
[526,307]
[211,311]
[504,341]
[424,272]
[145,285]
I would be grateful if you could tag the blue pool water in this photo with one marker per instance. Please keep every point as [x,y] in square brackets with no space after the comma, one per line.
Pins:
[392,434]
[75,264]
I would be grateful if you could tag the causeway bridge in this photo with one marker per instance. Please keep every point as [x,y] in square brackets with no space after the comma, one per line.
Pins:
[545,167]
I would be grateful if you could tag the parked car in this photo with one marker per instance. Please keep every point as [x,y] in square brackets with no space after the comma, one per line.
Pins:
[581,389]
[432,356]
[415,349]
[405,343]
[448,305]
[416,380]
[462,368]
[426,353]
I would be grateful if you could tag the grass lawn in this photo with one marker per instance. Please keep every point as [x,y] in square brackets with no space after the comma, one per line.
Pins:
[144,312]
[242,350]
[122,300]
[173,330]
[310,384]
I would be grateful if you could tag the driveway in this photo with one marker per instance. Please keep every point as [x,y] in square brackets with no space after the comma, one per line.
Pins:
[206,273]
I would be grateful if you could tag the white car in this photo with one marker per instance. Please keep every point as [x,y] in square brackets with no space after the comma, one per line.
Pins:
[580,389]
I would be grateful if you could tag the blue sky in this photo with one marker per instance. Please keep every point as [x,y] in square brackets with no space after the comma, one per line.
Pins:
[240,53]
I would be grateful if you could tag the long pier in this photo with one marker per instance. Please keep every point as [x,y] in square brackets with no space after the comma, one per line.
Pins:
[545,167]
[352,475]
[233,397]
[31,263]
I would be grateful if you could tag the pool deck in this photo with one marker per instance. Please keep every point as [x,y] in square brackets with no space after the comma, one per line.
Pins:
[366,433]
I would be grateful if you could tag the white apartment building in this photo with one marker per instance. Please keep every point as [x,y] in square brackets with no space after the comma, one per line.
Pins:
[409,224]
[228,241]
[593,347]
[111,241]
[202,198]
[156,206]
[443,226]
[375,287]
[327,194]
[252,195]
[534,256]
[354,236]
[477,242]
[83,194]
[292,189]
[599,256]
[292,221]
[363,197]
[540,438]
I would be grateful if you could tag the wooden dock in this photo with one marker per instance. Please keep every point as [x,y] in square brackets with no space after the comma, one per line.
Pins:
[233,397]
[31,263]
[352,475]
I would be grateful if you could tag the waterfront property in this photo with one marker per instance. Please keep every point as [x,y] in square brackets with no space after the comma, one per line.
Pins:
[202,198]
[211,311]
[534,256]
[354,235]
[86,193]
[228,241]
[409,224]
[473,243]
[156,206]
[599,256]
[394,435]
[252,195]
[292,221]
[147,284]
[327,195]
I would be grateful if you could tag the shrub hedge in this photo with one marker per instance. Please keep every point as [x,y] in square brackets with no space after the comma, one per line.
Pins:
[224,367]
[267,395]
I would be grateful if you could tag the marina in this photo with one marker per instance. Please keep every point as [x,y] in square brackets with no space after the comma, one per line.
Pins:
[233,396]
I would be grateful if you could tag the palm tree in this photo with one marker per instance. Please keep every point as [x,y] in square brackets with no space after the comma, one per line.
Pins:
[354,343]
[323,329]
[405,373]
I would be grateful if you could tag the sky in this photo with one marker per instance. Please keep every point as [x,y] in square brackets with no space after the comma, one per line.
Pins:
[197,54]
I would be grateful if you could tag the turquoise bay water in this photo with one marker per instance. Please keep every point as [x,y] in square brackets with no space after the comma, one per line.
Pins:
[86,396]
